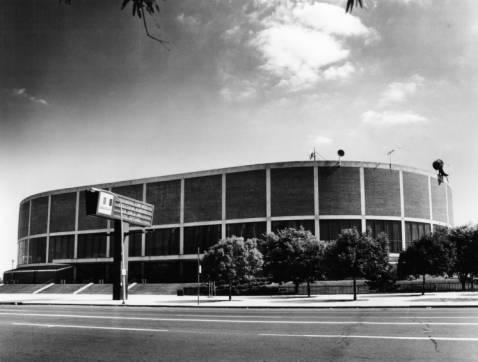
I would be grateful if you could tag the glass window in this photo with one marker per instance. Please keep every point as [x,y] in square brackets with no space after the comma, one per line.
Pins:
[61,247]
[135,241]
[37,250]
[296,224]
[246,230]
[23,219]
[23,252]
[330,229]
[200,236]
[393,229]
[161,272]
[162,242]
[415,230]
[92,245]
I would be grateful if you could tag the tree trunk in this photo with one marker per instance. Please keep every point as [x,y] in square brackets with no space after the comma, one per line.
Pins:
[230,291]
[355,287]
[308,288]
[462,281]
[296,285]
[423,284]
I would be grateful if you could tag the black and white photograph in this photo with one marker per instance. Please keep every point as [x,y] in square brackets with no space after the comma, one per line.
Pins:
[238,180]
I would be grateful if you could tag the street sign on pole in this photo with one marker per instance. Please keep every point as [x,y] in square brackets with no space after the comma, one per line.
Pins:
[114,206]
[125,211]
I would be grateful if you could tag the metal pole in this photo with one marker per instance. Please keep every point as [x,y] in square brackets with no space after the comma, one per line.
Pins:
[199,274]
[123,269]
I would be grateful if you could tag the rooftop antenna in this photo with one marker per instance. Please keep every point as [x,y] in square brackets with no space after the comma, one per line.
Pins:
[389,154]
[313,155]
[438,166]
[340,153]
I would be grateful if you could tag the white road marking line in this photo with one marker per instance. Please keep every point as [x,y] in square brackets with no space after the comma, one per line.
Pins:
[88,327]
[455,339]
[437,317]
[79,316]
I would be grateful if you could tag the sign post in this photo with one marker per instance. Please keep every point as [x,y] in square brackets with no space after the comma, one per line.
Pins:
[124,211]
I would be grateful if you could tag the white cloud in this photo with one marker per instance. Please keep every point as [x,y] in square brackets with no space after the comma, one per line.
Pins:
[238,94]
[339,72]
[329,19]
[398,92]
[303,43]
[392,118]
[323,140]
[191,22]
[412,2]
[22,92]
[290,55]
[235,89]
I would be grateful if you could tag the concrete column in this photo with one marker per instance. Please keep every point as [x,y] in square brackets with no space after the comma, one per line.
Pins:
[447,205]
[223,207]
[362,200]
[316,202]
[48,217]
[430,202]
[268,200]
[181,219]
[402,209]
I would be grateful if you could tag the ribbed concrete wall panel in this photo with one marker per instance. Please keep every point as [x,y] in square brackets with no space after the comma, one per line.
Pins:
[415,189]
[39,216]
[292,191]
[339,191]
[133,191]
[438,201]
[246,194]
[165,196]
[63,209]
[203,198]
[382,192]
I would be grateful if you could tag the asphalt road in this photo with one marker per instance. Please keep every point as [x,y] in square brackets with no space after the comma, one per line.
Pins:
[61,333]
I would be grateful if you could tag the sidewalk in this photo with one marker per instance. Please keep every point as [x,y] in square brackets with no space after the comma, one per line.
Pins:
[445,299]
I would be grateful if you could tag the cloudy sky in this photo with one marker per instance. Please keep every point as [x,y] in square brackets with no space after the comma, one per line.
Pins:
[86,97]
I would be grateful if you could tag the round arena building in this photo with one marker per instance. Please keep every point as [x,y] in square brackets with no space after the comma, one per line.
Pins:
[58,242]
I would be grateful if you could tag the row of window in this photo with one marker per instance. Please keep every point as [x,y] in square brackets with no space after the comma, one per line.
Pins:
[292,193]
[166,241]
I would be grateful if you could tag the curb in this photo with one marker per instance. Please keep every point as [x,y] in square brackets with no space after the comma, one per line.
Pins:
[237,307]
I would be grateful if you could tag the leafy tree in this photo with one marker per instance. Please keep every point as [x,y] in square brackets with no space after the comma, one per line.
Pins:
[432,254]
[293,255]
[354,255]
[465,243]
[232,260]
[379,273]
[351,3]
